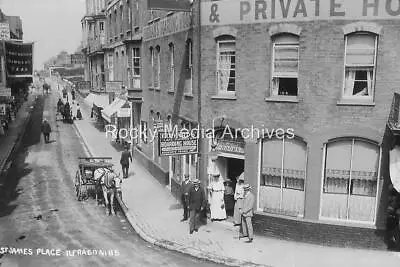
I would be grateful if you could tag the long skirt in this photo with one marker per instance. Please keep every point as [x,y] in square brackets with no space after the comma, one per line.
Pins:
[236,213]
[217,205]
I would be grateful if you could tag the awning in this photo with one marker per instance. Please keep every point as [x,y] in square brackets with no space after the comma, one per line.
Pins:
[113,108]
[124,113]
[394,167]
[90,99]
[101,101]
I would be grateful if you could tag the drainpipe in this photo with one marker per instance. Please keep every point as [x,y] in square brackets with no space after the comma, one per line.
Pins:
[199,158]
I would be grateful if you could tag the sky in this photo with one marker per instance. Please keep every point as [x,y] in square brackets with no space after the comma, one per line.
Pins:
[54,25]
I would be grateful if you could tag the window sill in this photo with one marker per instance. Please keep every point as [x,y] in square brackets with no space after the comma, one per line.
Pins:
[171,92]
[224,97]
[151,88]
[355,102]
[157,88]
[288,99]
[187,95]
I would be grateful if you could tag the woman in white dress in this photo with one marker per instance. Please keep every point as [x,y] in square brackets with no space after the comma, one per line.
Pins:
[217,205]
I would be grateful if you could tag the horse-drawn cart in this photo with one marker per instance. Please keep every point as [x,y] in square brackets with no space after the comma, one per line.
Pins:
[96,174]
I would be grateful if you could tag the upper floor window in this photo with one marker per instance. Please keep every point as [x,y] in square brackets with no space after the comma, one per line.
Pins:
[151,80]
[226,64]
[101,26]
[129,7]
[172,66]
[189,68]
[157,63]
[360,64]
[285,65]
[136,67]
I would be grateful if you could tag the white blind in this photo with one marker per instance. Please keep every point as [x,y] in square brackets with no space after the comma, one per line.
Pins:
[360,50]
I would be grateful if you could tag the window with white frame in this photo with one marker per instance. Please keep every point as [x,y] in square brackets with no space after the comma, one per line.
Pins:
[360,64]
[226,64]
[157,64]
[350,180]
[151,78]
[189,68]
[172,66]
[283,175]
[136,67]
[129,7]
[110,68]
[285,65]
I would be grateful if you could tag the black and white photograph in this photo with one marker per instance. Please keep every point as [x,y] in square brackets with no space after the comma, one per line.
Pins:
[211,133]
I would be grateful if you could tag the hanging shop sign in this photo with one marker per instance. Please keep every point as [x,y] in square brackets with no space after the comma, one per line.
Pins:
[226,12]
[5,91]
[19,59]
[232,147]
[171,145]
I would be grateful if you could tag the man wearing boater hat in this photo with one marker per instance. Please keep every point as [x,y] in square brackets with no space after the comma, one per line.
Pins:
[197,203]
[247,214]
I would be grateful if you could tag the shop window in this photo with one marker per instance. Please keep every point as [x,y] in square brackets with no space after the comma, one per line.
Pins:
[360,55]
[172,66]
[285,65]
[189,68]
[226,65]
[283,174]
[350,180]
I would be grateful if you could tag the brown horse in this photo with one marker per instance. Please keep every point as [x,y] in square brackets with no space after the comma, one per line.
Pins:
[110,184]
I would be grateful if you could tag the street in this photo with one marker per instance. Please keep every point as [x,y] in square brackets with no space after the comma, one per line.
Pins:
[43,224]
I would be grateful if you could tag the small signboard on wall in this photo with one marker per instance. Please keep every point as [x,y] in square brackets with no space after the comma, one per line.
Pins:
[170,145]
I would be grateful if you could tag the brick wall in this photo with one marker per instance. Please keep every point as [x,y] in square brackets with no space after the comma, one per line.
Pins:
[316,117]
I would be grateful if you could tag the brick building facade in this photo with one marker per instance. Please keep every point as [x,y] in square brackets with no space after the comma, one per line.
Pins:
[312,80]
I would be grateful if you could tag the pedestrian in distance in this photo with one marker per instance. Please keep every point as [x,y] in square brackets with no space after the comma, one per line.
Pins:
[247,214]
[124,161]
[78,112]
[197,203]
[185,189]
[46,130]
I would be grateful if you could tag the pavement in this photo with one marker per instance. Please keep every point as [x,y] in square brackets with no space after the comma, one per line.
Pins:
[155,215]
[11,138]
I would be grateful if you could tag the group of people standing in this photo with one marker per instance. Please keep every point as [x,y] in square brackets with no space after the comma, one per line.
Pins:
[194,203]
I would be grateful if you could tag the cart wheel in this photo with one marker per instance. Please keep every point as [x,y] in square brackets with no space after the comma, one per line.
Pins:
[78,185]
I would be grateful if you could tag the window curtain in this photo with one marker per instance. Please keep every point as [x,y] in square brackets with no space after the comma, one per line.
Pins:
[224,71]
[294,164]
[369,82]
[349,84]
[364,180]
[270,188]
[336,179]
[275,86]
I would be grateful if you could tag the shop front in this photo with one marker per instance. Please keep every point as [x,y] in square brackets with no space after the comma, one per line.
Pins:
[227,159]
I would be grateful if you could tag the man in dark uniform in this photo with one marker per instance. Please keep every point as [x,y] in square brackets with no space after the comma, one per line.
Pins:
[125,157]
[185,188]
[197,203]
[46,130]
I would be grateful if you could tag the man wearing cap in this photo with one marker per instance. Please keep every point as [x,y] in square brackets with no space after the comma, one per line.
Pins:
[197,203]
[185,189]
[247,214]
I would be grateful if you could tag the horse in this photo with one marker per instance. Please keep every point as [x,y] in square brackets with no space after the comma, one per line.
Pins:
[110,184]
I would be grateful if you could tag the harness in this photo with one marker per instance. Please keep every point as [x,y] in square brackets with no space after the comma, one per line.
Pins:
[105,178]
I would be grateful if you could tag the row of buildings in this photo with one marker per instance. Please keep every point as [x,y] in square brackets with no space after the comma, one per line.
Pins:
[16,62]
[307,86]
[64,59]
